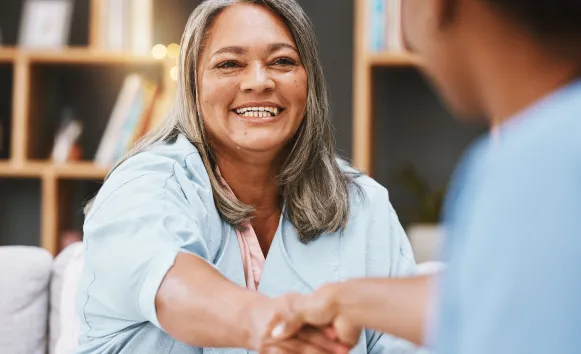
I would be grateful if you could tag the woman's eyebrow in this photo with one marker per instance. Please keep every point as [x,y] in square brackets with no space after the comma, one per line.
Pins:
[232,49]
[277,46]
[242,50]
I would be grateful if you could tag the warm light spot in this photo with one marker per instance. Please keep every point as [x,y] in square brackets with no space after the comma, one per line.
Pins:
[159,51]
[174,73]
[173,50]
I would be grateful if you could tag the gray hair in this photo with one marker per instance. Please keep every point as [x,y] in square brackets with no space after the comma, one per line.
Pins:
[315,189]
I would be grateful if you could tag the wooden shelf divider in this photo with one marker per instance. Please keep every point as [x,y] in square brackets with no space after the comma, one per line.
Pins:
[20,114]
[363,63]
[50,212]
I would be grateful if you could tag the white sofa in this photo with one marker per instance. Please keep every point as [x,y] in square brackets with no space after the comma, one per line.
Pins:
[30,299]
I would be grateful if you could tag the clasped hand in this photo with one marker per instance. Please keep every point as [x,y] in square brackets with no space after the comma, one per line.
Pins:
[296,323]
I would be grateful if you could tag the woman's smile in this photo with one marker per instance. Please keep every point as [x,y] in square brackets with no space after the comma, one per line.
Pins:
[259,112]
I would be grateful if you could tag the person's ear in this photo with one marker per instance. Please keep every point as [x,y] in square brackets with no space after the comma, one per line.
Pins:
[445,12]
[422,17]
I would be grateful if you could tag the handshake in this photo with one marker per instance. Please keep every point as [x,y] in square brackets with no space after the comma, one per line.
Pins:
[317,323]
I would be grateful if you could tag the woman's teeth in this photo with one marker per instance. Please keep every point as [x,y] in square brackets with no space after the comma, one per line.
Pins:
[258,112]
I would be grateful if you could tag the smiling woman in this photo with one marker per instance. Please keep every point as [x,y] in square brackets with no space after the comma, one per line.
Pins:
[201,237]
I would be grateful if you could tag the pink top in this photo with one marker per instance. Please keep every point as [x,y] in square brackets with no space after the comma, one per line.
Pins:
[252,256]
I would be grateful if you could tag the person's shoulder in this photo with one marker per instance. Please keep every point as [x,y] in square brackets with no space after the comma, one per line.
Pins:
[546,133]
[163,160]
[548,147]
[148,174]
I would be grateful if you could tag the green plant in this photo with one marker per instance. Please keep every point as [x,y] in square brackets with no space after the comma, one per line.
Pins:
[428,201]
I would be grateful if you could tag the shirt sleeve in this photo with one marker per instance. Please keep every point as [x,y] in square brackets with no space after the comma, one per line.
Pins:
[132,236]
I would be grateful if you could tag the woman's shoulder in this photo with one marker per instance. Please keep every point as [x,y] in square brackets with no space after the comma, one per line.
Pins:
[163,160]
[364,191]
[174,164]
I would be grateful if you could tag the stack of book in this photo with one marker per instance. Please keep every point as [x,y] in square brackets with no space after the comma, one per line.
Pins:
[385,26]
[133,115]
[127,26]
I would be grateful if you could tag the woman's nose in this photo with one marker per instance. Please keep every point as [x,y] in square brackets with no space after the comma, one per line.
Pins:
[257,79]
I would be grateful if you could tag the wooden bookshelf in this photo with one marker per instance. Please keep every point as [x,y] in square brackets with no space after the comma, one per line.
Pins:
[28,156]
[363,62]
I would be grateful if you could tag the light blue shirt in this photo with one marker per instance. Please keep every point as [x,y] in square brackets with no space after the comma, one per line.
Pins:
[513,222]
[159,203]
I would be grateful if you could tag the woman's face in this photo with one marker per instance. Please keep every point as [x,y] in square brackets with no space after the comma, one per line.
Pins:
[252,84]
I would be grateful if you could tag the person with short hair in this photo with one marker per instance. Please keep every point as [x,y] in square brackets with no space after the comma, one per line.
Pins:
[512,282]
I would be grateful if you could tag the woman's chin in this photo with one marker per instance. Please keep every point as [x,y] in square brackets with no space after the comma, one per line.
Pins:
[260,143]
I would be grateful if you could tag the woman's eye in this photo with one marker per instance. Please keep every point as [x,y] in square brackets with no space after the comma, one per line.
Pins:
[284,62]
[228,65]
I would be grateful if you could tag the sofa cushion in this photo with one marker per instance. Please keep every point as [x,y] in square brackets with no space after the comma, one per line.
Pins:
[64,321]
[24,283]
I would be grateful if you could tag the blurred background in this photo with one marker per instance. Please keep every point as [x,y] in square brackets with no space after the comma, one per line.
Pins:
[81,80]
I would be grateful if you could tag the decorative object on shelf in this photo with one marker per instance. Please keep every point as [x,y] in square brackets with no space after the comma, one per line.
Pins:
[45,24]
[424,231]
[66,147]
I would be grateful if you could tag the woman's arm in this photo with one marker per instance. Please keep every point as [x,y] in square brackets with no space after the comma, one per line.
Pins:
[147,261]
[198,306]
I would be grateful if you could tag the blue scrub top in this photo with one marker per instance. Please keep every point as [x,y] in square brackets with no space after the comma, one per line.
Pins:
[160,202]
[513,238]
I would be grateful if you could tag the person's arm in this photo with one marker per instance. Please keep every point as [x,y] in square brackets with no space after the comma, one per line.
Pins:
[397,306]
[392,299]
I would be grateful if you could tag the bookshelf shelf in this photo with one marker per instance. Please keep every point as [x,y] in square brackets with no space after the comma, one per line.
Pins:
[74,55]
[392,59]
[7,54]
[79,170]
[9,169]
[73,170]
[86,56]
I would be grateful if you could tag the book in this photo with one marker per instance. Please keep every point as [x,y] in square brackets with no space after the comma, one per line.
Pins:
[129,120]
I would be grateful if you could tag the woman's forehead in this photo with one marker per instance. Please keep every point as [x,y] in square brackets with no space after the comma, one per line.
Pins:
[246,26]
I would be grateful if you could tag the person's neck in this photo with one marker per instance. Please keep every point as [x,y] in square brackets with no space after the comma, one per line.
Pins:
[253,183]
[519,74]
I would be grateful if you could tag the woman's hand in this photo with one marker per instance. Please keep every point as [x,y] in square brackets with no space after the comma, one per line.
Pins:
[322,309]
[265,313]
